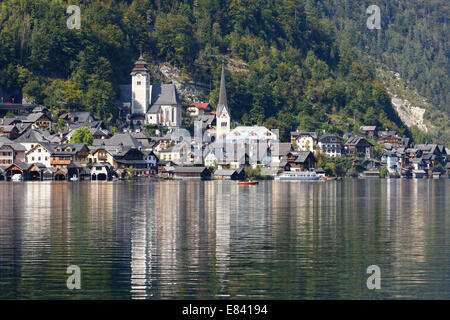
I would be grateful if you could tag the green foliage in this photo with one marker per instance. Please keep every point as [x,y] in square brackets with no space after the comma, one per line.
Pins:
[294,70]
[130,171]
[384,172]
[9,114]
[150,129]
[82,135]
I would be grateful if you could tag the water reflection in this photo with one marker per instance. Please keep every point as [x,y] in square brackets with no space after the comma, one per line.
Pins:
[177,239]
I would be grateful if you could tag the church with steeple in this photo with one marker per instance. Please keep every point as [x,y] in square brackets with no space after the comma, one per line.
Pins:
[151,104]
[223,116]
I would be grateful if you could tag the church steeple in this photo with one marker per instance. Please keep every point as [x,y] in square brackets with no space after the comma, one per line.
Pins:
[223,116]
[222,95]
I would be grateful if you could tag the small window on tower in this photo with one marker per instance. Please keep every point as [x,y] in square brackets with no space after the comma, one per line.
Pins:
[223,124]
[138,83]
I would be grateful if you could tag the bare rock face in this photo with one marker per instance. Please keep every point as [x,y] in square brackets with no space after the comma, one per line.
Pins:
[187,89]
[409,114]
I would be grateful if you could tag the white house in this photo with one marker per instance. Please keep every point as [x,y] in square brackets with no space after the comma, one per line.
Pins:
[38,154]
[304,141]
[392,162]
[330,144]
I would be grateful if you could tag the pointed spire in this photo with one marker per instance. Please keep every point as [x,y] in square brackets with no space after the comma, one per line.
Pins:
[222,95]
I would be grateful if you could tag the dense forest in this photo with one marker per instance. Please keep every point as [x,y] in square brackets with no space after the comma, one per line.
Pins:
[414,40]
[299,72]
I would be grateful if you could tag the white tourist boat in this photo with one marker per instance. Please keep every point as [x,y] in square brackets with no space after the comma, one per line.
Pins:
[74,178]
[298,176]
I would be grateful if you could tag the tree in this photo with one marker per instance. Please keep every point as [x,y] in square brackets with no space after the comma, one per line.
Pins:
[9,114]
[82,135]
[384,172]
[130,172]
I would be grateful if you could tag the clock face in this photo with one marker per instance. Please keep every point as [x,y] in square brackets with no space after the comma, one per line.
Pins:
[139,76]
[224,115]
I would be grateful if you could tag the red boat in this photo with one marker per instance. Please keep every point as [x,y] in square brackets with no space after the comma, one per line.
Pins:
[247,183]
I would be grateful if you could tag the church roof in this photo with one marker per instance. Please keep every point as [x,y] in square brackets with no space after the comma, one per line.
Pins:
[163,94]
[222,95]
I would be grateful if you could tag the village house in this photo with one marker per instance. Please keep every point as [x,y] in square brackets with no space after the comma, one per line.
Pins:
[210,160]
[39,121]
[131,157]
[63,155]
[11,131]
[81,117]
[358,145]
[40,153]
[152,161]
[392,162]
[300,161]
[303,140]
[393,140]
[330,145]
[368,131]
[101,155]
[196,109]
[11,152]
[279,151]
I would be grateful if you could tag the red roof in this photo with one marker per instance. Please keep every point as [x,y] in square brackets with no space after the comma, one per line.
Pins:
[199,105]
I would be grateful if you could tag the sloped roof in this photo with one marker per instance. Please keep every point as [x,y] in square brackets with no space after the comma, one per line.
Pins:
[33,117]
[120,139]
[280,149]
[33,135]
[189,169]
[225,172]
[163,94]
[302,156]
[202,106]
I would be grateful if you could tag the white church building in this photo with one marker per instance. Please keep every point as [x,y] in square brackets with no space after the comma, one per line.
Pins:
[151,104]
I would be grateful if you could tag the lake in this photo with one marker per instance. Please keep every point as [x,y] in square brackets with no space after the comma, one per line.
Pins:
[219,240]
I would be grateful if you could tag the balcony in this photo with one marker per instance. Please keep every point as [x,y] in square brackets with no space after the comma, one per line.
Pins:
[60,162]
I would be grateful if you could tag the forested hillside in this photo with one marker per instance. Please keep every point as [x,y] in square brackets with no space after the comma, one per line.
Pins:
[413,41]
[299,73]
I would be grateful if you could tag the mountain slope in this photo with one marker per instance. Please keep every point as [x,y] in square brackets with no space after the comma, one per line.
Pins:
[300,74]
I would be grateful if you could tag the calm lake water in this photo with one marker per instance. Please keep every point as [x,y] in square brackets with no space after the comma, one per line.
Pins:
[218,240]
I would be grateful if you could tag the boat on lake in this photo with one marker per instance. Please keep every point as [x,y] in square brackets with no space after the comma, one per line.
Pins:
[298,176]
[247,183]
